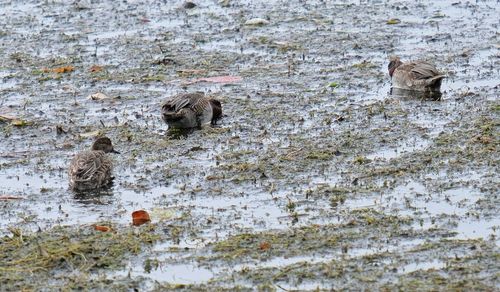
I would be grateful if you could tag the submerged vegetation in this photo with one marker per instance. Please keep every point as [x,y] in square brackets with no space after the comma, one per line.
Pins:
[68,254]
[316,178]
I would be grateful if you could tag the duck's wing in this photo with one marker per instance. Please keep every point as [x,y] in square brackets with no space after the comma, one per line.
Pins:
[402,76]
[423,70]
[200,104]
[184,100]
[89,165]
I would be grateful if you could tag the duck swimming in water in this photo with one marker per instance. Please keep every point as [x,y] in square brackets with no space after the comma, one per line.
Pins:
[92,169]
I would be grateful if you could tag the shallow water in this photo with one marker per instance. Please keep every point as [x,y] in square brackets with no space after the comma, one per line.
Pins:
[312,111]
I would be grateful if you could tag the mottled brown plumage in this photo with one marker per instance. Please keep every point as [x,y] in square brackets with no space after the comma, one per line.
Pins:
[417,76]
[92,169]
[190,110]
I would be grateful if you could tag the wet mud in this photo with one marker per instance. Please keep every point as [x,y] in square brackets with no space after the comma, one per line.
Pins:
[317,176]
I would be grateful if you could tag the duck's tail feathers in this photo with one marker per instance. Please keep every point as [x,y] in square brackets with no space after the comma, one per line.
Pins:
[436,81]
[216,110]
[438,77]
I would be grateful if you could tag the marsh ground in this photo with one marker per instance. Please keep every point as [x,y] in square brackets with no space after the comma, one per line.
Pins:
[316,178]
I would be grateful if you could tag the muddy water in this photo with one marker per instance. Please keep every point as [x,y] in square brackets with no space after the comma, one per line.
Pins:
[310,134]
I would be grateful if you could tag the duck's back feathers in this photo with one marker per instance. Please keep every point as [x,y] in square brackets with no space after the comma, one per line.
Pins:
[194,101]
[189,110]
[419,76]
[421,70]
[90,170]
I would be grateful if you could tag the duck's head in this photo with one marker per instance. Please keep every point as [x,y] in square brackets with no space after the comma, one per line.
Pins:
[394,63]
[104,144]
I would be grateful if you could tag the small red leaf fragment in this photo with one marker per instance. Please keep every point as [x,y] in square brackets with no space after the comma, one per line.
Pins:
[140,217]
[102,228]
[265,245]
[95,68]
[64,69]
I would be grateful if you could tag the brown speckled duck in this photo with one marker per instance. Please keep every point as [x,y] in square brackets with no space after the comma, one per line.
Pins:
[417,76]
[190,110]
[91,169]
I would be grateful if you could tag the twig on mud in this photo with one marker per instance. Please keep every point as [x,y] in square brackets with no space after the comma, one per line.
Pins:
[6,198]
[281,287]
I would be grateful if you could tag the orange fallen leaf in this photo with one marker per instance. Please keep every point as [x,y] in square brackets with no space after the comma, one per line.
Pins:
[102,228]
[140,217]
[265,245]
[6,198]
[63,69]
[95,68]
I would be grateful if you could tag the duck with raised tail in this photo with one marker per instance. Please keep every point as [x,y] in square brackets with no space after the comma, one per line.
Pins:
[416,76]
[190,110]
